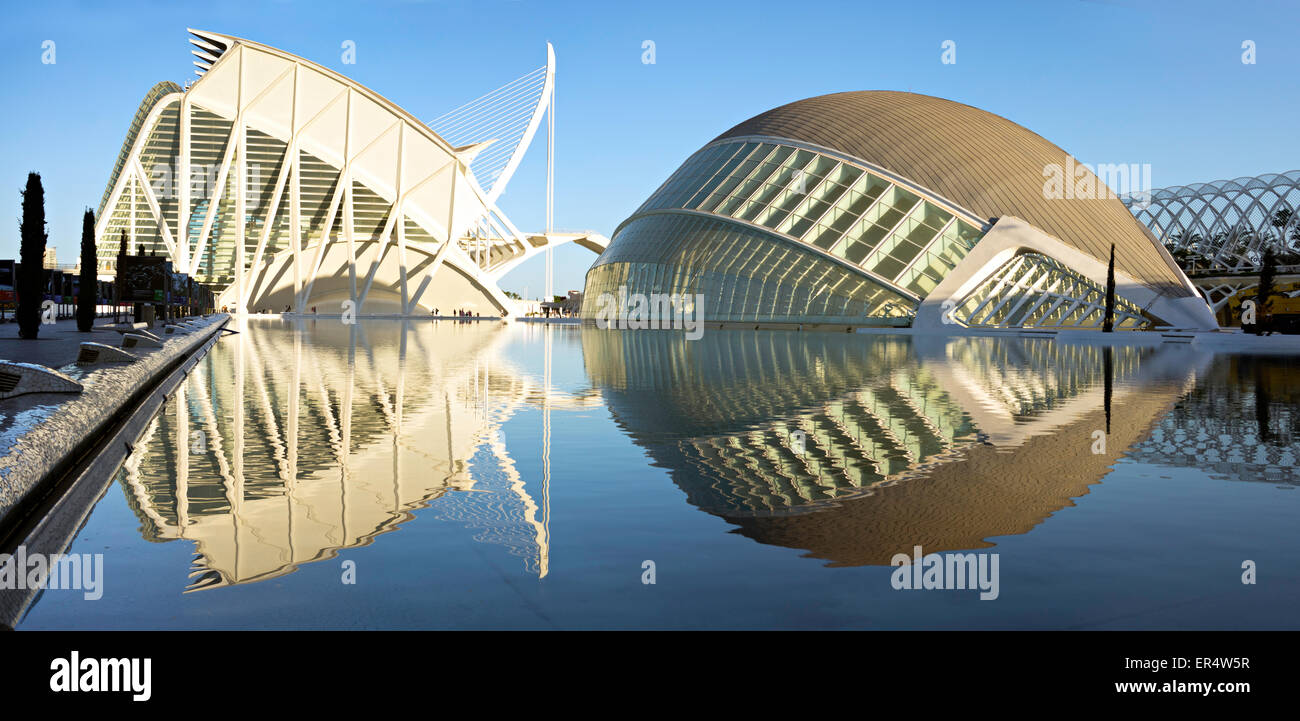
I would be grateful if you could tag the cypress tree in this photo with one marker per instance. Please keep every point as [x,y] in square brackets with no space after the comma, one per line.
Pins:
[31,280]
[1108,325]
[88,294]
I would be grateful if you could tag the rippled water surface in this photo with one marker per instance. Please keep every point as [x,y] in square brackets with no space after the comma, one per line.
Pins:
[480,475]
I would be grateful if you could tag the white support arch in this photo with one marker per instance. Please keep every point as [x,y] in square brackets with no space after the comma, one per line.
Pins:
[1010,237]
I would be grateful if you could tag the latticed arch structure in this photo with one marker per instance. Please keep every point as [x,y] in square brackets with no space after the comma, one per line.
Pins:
[1226,224]
[286,184]
[889,208]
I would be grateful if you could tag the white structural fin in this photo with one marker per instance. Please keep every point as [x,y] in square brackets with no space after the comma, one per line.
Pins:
[467,153]
[510,116]
[208,48]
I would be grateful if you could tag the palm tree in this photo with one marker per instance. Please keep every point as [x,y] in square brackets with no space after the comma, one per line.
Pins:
[1187,249]
[1290,252]
[1185,258]
[1280,220]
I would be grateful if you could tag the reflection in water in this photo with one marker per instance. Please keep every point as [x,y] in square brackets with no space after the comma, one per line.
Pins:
[286,444]
[1240,423]
[289,442]
[856,449]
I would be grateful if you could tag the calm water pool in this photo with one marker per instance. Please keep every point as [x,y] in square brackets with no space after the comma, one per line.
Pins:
[445,475]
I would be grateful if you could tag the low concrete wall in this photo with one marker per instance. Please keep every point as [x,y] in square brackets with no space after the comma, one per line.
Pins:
[46,438]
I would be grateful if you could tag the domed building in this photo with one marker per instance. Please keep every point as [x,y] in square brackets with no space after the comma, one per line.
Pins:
[891,208]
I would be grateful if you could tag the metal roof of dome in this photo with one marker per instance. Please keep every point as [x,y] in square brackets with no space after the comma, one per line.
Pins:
[971,157]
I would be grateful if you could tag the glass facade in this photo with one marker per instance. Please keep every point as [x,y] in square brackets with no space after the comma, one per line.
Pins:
[156,93]
[834,205]
[1033,290]
[742,273]
[132,213]
[766,225]
[209,135]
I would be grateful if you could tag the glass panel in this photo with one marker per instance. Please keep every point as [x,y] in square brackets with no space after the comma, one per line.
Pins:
[739,153]
[742,274]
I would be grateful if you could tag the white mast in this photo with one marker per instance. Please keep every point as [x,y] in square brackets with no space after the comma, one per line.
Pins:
[550,179]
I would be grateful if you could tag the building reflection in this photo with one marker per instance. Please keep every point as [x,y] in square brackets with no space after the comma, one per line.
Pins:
[856,449]
[1240,425]
[289,443]
[292,441]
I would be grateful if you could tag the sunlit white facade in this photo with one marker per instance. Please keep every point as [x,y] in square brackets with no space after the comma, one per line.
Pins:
[287,185]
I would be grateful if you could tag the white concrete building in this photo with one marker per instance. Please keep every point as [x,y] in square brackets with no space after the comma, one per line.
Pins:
[287,185]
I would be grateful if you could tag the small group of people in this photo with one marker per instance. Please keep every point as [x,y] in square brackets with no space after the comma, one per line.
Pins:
[266,311]
[458,313]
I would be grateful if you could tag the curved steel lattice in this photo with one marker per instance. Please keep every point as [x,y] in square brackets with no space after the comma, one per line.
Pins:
[1225,224]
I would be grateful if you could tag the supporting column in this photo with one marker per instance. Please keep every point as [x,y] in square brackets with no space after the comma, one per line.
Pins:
[240,210]
[240,190]
[400,212]
[182,178]
[295,219]
[347,201]
[133,181]
[295,201]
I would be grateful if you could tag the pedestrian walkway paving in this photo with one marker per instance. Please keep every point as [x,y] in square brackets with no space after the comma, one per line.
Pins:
[56,345]
[40,433]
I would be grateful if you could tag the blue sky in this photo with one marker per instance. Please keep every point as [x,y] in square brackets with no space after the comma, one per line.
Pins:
[1110,81]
